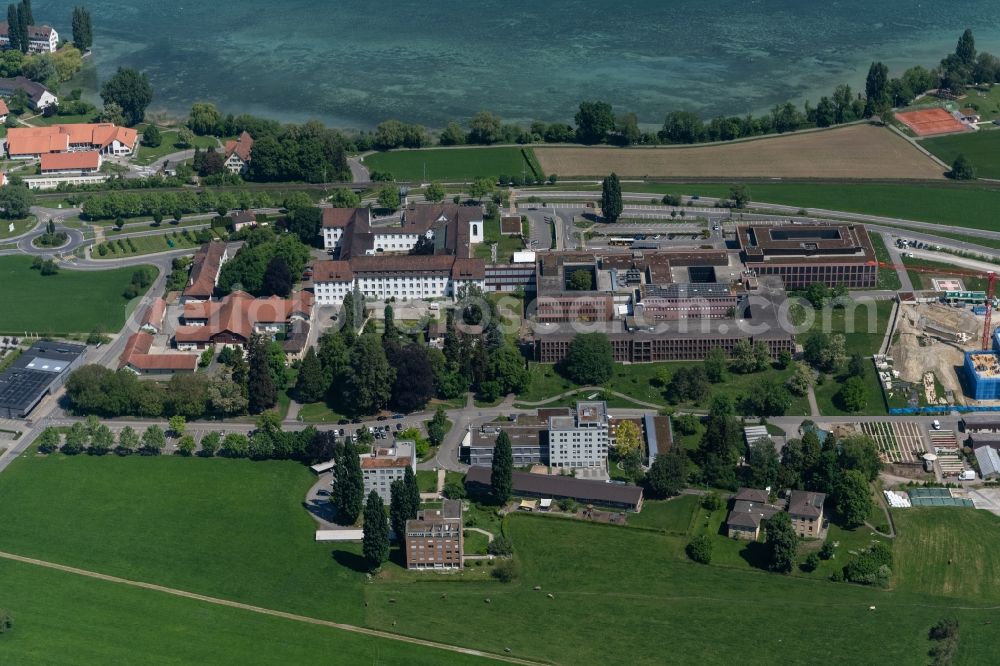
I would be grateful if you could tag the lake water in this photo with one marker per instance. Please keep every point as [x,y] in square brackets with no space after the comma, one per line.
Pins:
[352,63]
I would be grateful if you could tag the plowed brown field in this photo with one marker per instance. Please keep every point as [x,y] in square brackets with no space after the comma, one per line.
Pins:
[857,151]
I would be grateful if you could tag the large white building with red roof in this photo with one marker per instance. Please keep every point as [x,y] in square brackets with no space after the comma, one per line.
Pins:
[238,316]
[41,38]
[106,139]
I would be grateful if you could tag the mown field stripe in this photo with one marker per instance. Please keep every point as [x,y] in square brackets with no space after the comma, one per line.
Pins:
[265,611]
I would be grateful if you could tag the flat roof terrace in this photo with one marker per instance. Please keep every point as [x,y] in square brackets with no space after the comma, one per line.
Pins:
[845,242]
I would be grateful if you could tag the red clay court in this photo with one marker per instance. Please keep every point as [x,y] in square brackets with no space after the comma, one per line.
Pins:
[930,122]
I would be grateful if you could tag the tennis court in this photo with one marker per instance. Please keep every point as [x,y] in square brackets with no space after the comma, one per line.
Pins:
[931,122]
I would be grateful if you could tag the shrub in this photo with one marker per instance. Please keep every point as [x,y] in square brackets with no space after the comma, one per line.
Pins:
[454,490]
[711,502]
[827,551]
[501,547]
[811,563]
[699,549]
[568,505]
[504,571]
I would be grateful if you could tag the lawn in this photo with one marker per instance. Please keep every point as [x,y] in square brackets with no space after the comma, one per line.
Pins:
[126,625]
[887,278]
[236,529]
[117,248]
[506,245]
[673,516]
[923,280]
[319,412]
[982,148]
[971,205]
[20,226]
[453,164]
[863,328]
[68,302]
[168,145]
[643,381]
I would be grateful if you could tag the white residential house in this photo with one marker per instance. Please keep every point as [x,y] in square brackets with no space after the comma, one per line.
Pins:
[580,440]
[238,153]
[41,38]
[381,466]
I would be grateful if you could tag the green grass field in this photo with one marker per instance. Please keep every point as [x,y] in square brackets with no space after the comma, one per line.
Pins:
[143,245]
[506,245]
[20,226]
[953,204]
[236,529]
[886,278]
[922,280]
[61,618]
[673,516]
[864,330]
[452,164]
[641,381]
[982,148]
[168,145]
[69,302]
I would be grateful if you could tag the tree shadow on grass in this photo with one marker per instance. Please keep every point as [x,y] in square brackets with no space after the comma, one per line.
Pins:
[756,555]
[353,561]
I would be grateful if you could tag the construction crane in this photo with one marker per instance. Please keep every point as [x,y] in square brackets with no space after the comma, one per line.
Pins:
[989,276]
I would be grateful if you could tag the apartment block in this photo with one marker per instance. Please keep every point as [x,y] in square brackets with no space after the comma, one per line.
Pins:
[434,540]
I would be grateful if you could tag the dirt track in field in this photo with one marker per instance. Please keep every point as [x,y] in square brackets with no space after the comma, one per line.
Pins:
[857,151]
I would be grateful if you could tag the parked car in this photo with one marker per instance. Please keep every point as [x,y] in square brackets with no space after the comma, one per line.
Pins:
[382,418]
[399,426]
[355,420]
[399,416]
[343,422]
[341,433]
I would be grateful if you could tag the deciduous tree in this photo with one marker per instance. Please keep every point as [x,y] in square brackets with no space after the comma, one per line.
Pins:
[781,543]
[589,359]
[667,476]
[130,89]
[627,437]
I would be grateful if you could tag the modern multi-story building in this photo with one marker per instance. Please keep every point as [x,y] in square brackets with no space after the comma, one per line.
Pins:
[434,540]
[831,254]
[685,301]
[41,38]
[381,466]
[580,440]
[528,442]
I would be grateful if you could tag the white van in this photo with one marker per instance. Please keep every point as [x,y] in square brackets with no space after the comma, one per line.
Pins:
[967,475]
[936,424]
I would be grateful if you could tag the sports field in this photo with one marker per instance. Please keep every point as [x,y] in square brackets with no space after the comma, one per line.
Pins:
[930,122]
[857,152]
[236,529]
[69,302]
[453,164]
[982,148]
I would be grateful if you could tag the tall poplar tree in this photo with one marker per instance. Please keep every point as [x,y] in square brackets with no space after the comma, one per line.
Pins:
[611,198]
[502,473]
[260,384]
[13,30]
[412,493]
[398,508]
[348,486]
[375,542]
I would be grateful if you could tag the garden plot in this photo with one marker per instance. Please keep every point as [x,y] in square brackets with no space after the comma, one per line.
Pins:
[897,442]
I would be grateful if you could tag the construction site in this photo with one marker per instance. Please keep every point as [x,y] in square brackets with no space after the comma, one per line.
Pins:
[929,347]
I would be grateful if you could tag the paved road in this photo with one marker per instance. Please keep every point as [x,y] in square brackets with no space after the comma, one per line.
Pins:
[359,172]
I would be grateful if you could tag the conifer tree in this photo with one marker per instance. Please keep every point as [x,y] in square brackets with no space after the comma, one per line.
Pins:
[502,473]
[348,486]
[375,542]
[310,384]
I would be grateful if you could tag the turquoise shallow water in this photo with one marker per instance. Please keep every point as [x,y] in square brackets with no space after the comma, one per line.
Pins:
[353,63]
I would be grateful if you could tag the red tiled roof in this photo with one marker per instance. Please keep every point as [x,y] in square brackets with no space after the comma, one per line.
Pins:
[468,269]
[205,269]
[3,108]
[83,160]
[339,218]
[241,147]
[332,271]
[154,315]
[136,355]
[58,138]
[238,313]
